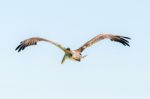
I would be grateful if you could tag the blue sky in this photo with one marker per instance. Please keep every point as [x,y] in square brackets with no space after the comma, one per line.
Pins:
[110,71]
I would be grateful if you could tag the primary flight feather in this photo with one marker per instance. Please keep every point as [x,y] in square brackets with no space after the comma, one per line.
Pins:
[33,41]
[74,54]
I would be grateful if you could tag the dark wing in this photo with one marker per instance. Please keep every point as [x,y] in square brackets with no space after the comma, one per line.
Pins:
[33,41]
[116,38]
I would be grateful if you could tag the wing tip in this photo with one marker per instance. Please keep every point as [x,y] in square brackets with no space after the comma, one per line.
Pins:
[20,47]
[123,40]
[126,37]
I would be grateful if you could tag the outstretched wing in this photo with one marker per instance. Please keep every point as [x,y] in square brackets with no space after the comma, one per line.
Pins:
[33,41]
[116,38]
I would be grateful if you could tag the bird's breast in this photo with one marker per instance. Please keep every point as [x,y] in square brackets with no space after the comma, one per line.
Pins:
[76,55]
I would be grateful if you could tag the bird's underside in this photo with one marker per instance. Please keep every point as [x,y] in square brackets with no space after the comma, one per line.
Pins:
[74,54]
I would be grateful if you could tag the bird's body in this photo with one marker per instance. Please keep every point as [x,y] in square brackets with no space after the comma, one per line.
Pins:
[74,54]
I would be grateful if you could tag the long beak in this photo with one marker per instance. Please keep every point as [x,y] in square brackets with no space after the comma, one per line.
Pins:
[63,60]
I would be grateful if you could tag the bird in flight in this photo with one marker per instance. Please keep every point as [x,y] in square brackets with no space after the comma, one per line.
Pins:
[74,54]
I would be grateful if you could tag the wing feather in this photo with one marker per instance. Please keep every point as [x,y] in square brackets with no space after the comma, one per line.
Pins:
[116,38]
[34,41]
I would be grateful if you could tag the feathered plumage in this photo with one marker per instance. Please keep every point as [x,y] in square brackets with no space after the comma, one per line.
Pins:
[116,38]
[34,41]
[74,54]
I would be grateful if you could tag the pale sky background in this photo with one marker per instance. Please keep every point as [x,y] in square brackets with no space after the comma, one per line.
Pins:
[110,71]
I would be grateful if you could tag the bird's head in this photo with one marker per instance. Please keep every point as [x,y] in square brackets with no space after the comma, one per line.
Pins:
[68,48]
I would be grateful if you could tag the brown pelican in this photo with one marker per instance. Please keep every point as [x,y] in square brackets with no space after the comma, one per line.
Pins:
[74,54]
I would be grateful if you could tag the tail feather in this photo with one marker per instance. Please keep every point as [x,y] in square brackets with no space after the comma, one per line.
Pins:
[84,56]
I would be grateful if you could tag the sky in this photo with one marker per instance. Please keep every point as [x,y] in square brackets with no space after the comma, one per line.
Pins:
[110,71]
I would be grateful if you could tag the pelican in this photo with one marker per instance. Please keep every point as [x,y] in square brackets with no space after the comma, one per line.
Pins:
[74,54]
